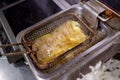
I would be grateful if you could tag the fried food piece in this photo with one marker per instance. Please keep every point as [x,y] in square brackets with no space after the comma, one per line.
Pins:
[56,43]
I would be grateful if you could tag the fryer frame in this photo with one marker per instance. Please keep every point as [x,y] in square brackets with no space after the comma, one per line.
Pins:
[58,72]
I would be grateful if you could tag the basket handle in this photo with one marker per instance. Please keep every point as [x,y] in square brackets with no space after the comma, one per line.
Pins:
[15,53]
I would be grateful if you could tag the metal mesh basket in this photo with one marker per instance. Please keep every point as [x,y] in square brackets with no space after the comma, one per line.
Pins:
[47,27]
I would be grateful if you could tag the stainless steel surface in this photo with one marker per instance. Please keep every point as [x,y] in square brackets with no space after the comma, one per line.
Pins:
[1,36]
[105,6]
[92,11]
[62,4]
[18,71]
[114,23]
[98,9]
[59,72]
[73,2]
[1,50]
[66,4]
[105,53]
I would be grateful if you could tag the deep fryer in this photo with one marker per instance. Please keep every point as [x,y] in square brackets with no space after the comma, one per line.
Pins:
[100,37]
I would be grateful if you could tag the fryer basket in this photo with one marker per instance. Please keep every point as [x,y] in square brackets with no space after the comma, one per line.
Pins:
[47,27]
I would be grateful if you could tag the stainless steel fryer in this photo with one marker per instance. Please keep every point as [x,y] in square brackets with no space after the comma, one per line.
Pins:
[60,70]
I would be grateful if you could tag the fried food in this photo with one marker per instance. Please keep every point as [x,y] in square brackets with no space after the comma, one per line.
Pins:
[63,38]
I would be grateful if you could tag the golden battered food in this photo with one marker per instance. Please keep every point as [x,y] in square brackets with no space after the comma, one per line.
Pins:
[56,43]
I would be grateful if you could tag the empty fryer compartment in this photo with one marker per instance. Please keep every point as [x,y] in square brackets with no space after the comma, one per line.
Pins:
[29,12]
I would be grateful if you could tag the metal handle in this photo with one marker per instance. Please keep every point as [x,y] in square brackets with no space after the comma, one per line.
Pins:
[15,53]
[5,45]
[109,15]
[103,19]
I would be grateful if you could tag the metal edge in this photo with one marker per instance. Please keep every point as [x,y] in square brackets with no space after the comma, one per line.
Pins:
[107,8]
[11,5]
[18,39]
[7,29]
[59,4]
[1,51]
[62,4]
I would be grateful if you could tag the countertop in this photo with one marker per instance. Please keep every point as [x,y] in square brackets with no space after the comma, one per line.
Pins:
[16,71]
